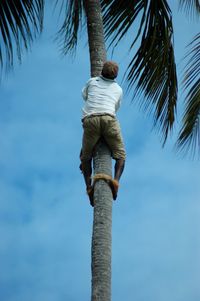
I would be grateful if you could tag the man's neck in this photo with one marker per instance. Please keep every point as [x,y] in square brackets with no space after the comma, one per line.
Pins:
[107,79]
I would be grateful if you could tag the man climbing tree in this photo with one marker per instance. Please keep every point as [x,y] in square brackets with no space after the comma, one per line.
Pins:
[102,97]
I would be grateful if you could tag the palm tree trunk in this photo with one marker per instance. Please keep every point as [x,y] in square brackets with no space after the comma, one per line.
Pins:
[102,222]
[102,228]
[96,41]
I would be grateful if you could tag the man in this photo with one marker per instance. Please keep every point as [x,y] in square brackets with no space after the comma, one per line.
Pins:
[102,97]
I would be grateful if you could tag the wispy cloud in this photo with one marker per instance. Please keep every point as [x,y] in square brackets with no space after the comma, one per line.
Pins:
[45,217]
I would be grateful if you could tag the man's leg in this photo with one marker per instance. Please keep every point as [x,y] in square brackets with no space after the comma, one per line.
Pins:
[90,137]
[113,137]
[87,172]
[119,168]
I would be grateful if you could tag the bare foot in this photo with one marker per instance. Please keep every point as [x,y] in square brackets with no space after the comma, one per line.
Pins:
[90,192]
[114,185]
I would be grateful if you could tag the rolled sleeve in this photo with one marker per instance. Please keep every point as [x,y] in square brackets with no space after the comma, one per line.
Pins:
[118,104]
[85,89]
[84,93]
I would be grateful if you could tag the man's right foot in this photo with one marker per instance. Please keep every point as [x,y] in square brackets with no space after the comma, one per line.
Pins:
[114,185]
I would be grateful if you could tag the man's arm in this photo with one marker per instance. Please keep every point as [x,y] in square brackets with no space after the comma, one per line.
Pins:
[84,92]
[118,104]
[85,89]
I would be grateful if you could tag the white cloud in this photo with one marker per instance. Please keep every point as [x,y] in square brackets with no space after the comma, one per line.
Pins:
[46,220]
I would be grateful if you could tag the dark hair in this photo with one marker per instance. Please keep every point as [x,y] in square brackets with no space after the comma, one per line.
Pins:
[110,70]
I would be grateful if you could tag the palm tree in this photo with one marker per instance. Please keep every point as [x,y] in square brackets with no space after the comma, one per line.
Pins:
[102,220]
[21,21]
[151,74]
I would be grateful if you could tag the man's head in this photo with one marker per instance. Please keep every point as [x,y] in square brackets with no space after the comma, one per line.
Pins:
[110,70]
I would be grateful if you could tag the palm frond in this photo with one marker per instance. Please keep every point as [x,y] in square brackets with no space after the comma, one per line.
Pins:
[191,7]
[68,33]
[20,21]
[189,136]
[152,71]
[119,15]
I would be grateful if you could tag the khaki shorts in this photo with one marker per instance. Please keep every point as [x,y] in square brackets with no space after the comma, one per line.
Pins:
[105,126]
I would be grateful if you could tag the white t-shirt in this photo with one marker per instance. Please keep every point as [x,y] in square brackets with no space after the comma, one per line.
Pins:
[101,96]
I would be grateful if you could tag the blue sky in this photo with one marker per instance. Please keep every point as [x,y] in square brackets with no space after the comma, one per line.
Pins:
[45,217]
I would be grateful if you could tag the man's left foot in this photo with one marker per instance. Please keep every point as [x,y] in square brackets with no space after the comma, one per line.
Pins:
[90,192]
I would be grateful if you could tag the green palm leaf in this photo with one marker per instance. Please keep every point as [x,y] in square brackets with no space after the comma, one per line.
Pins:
[118,17]
[192,7]
[20,20]
[68,33]
[189,136]
[152,70]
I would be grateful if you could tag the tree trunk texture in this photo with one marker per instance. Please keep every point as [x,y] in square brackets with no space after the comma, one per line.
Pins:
[102,222]
[96,41]
[102,228]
